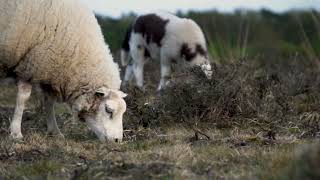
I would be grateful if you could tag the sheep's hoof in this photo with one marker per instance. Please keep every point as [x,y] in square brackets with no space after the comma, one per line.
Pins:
[124,86]
[141,88]
[59,136]
[162,88]
[56,134]
[16,136]
[74,121]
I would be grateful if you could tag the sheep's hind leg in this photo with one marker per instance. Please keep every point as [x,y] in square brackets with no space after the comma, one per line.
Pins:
[165,73]
[52,125]
[24,92]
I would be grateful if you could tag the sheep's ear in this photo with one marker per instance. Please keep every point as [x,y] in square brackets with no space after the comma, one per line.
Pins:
[117,93]
[122,94]
[102,92]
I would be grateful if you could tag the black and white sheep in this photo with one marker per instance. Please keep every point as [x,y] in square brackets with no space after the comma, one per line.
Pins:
[58,44]
[168,38]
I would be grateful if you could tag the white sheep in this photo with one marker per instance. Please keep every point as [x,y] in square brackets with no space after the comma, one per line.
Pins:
[168,38]
[58,44]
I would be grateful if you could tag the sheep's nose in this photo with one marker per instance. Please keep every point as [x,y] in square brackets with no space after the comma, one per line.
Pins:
[117,140]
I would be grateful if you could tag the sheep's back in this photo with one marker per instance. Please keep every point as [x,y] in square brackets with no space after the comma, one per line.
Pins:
[19,27]
[54,41]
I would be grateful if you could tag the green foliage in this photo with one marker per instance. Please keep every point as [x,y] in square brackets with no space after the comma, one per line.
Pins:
[114,30]
[41,168]
[242,34]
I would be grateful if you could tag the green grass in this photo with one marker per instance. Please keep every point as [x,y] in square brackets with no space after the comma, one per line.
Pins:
[43,167]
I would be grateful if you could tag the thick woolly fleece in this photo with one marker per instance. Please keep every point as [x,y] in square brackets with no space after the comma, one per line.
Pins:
[57,43]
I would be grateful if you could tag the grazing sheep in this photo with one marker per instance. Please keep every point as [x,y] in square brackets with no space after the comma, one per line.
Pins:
[58,44]
[165,37]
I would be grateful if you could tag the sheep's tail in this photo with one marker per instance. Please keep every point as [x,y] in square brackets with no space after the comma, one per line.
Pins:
[125,50]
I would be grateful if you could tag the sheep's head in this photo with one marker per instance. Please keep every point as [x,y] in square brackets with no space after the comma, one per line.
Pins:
[196,55]
[102,111]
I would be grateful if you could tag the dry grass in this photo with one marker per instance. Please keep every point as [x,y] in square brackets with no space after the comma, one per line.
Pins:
[167,152]
[245,123]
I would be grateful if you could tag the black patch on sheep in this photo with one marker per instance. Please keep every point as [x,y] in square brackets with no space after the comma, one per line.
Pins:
[10,73]
[201,50]
[125,43]
[188,55]
[185,52]
[146,53]
[152,28]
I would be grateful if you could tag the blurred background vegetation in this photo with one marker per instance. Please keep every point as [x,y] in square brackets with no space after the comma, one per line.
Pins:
[262,35]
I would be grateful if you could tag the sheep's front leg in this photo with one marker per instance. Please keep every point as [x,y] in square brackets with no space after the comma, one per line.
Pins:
[138,72]
[128,76]
[24,92]
[52,126]
[165,73]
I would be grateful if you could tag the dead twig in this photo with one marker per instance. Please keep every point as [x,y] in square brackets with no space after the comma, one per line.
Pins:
[197,132]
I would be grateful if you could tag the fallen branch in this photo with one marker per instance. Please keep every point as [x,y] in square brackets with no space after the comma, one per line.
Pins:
[197,131]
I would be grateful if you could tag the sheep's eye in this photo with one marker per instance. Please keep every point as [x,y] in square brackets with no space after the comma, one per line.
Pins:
[109,111]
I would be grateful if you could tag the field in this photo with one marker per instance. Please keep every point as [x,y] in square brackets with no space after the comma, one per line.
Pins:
[251,121]
[258,118]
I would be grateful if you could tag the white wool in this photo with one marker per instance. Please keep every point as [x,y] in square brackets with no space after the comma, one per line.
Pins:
[55,42]
[178,32]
